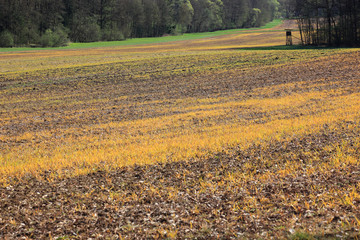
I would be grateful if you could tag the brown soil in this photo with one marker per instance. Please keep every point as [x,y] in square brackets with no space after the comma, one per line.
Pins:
[237,193]
[156,201]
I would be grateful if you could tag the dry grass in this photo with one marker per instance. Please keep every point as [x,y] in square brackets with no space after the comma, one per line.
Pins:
[75,112]
[168,109]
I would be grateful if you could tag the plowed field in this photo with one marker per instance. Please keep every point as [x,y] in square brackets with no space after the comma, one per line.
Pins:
[200,139]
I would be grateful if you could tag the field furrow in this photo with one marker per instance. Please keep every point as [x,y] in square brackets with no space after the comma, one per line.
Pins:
[196,139]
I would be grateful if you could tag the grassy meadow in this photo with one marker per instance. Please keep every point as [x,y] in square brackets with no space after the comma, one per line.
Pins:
[222,136]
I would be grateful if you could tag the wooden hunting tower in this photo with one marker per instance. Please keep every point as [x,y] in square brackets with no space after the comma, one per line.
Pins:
[288,37]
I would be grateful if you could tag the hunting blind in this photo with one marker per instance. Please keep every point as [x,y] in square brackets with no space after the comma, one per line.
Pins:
[288,37]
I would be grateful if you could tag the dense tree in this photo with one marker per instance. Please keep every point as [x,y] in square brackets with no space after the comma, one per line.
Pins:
[51,22]
[208,15]
[286,8]
[329,22]
[236,13]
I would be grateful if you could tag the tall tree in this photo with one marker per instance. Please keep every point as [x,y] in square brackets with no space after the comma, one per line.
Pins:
[236,13]
[181,12]
[43,21]
[208,15]
[330,22]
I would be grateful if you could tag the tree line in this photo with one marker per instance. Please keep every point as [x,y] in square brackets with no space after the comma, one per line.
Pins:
[326,22]
[54,22]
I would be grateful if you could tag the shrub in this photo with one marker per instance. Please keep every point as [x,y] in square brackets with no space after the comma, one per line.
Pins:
[26,35]
[57,38]
[60,37]
[85,30]
[47,39]
[254,18]
[178,30]
[112,35]
[6,39]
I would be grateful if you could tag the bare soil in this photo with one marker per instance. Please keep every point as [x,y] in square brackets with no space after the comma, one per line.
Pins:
[233,194]
[155,201]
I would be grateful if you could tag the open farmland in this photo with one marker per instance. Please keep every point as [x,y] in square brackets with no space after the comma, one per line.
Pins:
[189,139]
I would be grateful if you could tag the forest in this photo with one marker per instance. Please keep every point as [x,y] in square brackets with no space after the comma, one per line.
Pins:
[326,22]
[51,23]
[54,22]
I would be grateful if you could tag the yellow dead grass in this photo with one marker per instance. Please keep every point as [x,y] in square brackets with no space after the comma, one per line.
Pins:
[62,106]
